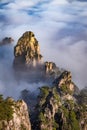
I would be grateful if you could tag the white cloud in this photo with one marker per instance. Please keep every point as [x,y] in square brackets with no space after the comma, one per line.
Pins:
[20,4]
[59,26]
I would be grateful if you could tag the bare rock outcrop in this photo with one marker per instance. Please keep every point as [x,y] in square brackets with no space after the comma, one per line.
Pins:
[49,67]
[28,61]
[59,109]
[64,83]
[27,50]
[20,116]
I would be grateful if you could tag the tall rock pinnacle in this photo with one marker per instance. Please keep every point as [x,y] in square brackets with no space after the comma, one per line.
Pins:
[28,60]
[27,49]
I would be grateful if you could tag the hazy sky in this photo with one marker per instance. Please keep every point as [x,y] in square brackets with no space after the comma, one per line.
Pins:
[60,27]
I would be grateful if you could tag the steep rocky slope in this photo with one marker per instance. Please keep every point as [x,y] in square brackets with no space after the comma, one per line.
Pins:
[14,115]
[28,61]
[58,108]
[27,49]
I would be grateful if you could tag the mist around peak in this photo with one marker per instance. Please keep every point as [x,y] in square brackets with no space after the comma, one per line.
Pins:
[60,27]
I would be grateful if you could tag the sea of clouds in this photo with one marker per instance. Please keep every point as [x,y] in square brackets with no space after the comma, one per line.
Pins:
[61,29]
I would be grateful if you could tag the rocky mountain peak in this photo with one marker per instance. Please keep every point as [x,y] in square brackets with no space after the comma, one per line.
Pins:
[58,111]
[64,82]
[6,40]
[56,107]
[28,60]
[65,77]
[28,49]
[49,67]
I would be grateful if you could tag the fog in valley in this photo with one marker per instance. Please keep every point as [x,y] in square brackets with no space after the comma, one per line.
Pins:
[61,29]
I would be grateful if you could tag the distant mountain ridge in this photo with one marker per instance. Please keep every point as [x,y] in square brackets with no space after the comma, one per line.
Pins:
[6,40]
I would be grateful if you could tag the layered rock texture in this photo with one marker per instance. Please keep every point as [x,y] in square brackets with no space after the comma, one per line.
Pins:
[59,109]
[58,105]
[28,50]
[15,115]
[28,60]
[64,83]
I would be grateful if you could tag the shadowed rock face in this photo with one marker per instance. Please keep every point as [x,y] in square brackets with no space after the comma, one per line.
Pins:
[6,40]
[27,50]
[59,109]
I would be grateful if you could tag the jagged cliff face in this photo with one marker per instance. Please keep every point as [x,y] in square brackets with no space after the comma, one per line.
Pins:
[49,67]
[58,108]
[49,103]
[64,82]
[28,50]
[28,61]
[20,117]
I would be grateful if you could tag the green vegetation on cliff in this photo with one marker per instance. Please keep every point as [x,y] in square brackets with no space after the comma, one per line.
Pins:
[58,111]
[6,110]
[73,121]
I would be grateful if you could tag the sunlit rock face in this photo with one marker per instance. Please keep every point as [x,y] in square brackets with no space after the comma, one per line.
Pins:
[29,63]
[27,50]
[20,117]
